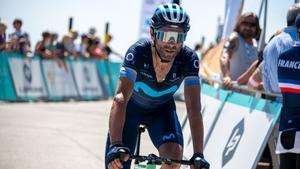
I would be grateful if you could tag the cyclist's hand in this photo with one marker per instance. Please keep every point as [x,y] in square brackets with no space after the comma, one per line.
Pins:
[116,155]
[198,162]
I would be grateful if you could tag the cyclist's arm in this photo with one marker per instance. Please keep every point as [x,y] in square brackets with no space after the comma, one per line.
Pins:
[118,109]
[193,105]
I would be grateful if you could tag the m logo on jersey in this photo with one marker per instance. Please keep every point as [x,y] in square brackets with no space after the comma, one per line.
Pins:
[168,137]
[233,142]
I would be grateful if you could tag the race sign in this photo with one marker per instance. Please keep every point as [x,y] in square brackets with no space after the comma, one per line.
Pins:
[241,132]
[27,78]
[87,80]
[59,79]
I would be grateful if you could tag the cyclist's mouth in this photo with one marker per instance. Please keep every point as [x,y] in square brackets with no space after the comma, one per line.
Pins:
[169,51]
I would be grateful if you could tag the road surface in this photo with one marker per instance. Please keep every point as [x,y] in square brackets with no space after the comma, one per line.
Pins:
[60,135]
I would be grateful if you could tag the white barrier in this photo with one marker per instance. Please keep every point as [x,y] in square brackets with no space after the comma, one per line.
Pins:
[237,128]
[59,79]
[27,78]
[87,79]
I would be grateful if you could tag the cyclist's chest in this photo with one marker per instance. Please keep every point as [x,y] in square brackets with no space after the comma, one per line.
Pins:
[157,77]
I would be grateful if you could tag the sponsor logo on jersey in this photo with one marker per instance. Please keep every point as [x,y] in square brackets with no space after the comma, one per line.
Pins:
[153,93]
[168,137]
[129,57]
[146,75]
[196,64]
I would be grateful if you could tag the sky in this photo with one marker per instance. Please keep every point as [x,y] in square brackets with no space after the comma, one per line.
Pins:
[124,17]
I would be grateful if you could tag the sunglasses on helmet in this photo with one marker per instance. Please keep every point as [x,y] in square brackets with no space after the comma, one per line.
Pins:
[166,36]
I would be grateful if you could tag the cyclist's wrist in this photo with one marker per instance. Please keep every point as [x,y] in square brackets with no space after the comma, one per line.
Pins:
[197,155]
[115,144]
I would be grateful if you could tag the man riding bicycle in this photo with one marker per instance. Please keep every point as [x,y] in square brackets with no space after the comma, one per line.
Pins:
[151,73]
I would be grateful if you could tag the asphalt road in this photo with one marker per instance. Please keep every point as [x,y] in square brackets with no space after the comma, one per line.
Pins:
[62,135]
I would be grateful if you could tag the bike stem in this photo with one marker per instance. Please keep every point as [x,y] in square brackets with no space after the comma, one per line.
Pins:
[142,129]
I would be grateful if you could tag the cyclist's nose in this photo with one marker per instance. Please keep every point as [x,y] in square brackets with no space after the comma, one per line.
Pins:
[172,42]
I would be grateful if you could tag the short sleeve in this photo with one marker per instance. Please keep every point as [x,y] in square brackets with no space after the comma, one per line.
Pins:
[130,59]
[191,71]
[191,67]
[129,67]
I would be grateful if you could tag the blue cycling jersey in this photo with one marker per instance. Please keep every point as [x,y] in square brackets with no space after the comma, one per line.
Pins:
[289,83]
[138,67]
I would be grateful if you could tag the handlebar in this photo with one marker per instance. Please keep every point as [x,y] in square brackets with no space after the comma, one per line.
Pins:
[153,159]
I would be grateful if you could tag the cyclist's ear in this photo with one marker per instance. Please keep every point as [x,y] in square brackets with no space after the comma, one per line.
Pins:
[152,33]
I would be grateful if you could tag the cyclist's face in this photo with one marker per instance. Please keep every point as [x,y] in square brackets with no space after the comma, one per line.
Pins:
[170,41]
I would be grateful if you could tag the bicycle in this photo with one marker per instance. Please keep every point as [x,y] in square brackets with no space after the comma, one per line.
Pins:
[153,160]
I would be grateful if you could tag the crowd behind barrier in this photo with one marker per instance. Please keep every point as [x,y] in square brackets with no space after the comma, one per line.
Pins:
[23,78]
[50,46]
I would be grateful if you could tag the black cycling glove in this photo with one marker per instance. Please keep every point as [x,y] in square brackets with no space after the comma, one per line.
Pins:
[117,151]
[199,162]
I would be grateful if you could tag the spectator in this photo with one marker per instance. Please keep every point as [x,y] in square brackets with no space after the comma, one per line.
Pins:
[43,47]
[24,47]
[275,47]
[54,39]
[65,46]
[83,47]
[95,51]
[240,50]
[92,32]
[54,44]
[70,43]
[13,45]
[288,146]
[2,35]
[253,76]
[108,50]
[17,23]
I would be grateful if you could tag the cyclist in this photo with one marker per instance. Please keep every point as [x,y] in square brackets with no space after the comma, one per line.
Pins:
[151,73]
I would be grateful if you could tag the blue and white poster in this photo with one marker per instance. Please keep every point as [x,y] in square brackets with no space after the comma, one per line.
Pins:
[27,78]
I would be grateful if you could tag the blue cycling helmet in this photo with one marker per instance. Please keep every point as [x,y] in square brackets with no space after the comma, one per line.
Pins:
[170,14]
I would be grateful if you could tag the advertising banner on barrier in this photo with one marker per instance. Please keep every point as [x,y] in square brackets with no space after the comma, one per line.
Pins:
[27,78]
[59,80]
[241,132]
[7,91]
[209,96]
[87,80]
